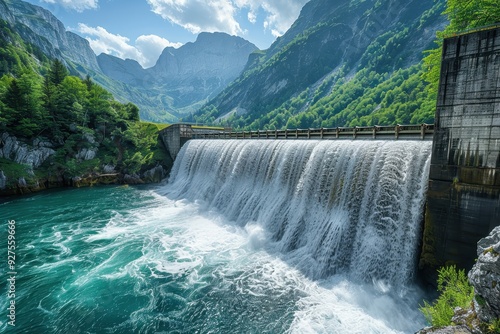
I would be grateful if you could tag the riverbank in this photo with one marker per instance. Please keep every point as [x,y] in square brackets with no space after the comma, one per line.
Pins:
[29,165]
[151,176]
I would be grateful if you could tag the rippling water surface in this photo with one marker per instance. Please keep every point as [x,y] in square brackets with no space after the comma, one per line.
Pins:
[145,260]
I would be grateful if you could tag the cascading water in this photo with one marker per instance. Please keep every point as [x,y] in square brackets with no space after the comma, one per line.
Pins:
[351,207]
[247,237]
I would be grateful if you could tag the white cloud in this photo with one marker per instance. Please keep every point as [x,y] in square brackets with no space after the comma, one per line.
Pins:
[280,14]
[78,5]
[199,15]
[151,47]
[146,51]
[220,15]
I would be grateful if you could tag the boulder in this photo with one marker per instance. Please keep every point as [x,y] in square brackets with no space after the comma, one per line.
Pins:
[485,277]
[154,175]
[86,154]
[108,169]
[34,156]
[445,330]
[132,179]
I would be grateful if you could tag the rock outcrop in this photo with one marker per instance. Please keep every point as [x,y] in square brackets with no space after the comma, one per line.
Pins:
[33,156]
[127,71]
[485,277]
[446,330]
[154,175]
[86,154]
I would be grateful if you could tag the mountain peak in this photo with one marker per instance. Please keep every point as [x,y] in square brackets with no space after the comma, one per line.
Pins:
[210,53]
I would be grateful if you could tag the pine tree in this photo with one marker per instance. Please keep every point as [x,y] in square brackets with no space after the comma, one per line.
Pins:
[57,72]
[88,82]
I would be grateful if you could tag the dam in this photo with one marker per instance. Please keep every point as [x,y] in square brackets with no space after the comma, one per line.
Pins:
[301,231]
[463,200]
[463,190]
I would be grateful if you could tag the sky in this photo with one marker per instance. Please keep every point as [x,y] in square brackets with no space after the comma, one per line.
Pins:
[141,29]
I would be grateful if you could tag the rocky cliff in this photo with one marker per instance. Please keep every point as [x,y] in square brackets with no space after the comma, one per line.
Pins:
[31,155]
[49,29]
[485,277]
[127,71]
[216,56]
[24,167]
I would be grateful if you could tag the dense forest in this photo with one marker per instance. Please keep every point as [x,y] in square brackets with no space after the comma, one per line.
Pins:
[81,121]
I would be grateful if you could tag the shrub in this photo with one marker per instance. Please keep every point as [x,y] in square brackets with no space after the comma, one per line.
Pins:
[455,291]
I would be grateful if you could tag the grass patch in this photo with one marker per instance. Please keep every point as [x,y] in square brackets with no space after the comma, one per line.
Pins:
[203,127]
[157,126]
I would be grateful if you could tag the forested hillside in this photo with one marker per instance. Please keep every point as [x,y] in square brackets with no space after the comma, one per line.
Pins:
[58,128]
[352,63]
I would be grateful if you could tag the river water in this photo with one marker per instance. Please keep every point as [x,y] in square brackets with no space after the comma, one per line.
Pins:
[247,237]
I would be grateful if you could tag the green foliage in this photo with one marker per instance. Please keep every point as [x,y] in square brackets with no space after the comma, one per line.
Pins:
[369,98]
[57,72]
[455,291]
[471,14]
[494,327]
[143,138]
[76,114]
[377,82]
[13,171]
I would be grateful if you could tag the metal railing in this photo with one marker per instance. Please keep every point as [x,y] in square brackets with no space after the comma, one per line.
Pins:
[422,131]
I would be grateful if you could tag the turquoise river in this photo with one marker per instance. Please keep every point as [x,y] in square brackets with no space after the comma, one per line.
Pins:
[245,237]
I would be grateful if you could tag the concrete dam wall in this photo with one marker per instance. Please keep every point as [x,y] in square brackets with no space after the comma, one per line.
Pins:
[463,198]
[463,201]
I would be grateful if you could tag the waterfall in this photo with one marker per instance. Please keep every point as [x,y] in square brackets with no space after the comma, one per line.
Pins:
[329,207]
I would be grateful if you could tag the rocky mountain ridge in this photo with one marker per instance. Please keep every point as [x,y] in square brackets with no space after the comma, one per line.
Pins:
[188,75]
[181,81]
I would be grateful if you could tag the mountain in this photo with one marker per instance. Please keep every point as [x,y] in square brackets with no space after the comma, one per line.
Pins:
[181,81]
[41,22]
[185,78]
[127,71]
[345,48]
[196,72]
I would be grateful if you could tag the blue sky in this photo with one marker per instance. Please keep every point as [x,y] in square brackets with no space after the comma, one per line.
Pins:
[141,29]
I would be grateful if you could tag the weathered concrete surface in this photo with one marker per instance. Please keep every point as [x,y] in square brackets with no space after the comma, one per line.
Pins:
[175,136]
[464,189]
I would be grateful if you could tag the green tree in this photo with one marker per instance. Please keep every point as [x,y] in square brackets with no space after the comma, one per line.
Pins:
[462,15]
[468,14]
[57,72]
[22,107]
